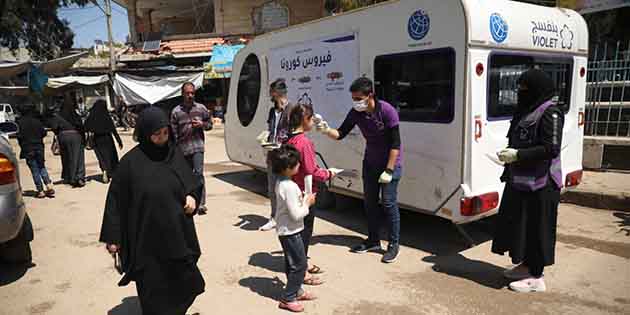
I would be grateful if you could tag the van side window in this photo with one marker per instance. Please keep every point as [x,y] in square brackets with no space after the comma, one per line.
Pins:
[420,84]
[248,90]
[505,69]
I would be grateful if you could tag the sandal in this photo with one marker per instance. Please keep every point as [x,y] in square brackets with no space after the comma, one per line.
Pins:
[307,296]
[315,270]
[314,281]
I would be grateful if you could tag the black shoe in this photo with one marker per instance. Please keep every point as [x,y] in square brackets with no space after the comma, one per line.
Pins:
[391,254]
[79,184]
[365,247]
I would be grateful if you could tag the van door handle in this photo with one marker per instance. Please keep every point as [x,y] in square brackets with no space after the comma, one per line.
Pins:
[478,129]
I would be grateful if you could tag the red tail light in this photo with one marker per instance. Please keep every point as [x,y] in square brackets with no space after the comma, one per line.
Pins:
[479,204]
[7,171]
[573,179]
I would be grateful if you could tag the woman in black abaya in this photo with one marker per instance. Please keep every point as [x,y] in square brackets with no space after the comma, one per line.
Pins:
[68,127]
[148,220]
[526,223]
[101,125]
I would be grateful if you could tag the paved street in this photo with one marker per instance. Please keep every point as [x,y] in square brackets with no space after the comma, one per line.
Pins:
[435,274]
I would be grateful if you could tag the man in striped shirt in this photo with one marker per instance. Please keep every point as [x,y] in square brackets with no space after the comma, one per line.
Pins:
[188,122]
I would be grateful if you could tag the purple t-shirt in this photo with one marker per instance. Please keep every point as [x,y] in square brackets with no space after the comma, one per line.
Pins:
[375,128]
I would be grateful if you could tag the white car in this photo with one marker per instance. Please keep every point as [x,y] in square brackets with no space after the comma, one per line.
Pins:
[6,113]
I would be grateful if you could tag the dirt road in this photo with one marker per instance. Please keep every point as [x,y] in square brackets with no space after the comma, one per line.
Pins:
[435,274]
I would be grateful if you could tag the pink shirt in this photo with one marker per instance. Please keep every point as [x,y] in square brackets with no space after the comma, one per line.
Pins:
[308,164]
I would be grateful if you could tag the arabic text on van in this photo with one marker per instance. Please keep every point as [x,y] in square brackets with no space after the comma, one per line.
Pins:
[549,35]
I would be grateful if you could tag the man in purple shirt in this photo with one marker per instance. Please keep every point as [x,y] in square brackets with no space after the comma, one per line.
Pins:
[379,124]
[188,122]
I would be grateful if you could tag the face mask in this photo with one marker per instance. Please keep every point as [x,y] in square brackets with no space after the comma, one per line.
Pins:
[360,106]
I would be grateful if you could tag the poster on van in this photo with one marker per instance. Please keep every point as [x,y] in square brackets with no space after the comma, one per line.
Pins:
[319,73]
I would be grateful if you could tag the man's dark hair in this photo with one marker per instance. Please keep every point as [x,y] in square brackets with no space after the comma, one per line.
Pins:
[362,85]
[297,115]
[187,83]
[279,86]
[283,158]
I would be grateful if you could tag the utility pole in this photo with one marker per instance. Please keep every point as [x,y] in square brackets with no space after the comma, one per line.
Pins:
[108,14]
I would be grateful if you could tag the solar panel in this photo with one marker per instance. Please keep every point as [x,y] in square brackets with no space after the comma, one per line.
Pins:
[152,45]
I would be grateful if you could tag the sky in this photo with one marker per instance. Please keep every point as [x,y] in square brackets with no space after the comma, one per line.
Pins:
[89,23]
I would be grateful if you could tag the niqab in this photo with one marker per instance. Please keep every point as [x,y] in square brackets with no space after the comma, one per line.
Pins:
[151,120]
[540,88]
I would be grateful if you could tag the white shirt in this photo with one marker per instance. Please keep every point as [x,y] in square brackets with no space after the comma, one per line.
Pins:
[290,207]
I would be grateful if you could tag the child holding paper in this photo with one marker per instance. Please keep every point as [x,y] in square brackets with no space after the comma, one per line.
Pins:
[301,122]
[292,207]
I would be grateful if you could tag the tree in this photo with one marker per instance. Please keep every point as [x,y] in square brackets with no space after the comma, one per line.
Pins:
[34,25]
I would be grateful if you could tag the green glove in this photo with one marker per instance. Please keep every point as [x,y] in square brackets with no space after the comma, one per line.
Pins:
[508,155]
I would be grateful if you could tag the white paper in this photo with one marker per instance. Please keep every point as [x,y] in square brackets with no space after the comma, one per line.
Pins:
[308,184]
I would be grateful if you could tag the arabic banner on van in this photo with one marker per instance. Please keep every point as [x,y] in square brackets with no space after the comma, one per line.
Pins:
[319,73]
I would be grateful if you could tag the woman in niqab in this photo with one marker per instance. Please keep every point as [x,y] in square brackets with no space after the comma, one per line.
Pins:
[100,123]
[68,127]
[148,220]
[526,223]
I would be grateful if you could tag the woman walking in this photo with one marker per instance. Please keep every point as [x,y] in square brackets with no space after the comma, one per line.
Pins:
[526,224]
[102,126]
[68,127]
[148,220]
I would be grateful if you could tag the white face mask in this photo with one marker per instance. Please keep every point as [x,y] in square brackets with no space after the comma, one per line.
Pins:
[360,106]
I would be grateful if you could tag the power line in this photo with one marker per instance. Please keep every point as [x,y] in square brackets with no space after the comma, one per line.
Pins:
[88,22]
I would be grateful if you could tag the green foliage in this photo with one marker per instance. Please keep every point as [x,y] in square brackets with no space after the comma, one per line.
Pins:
[34,25]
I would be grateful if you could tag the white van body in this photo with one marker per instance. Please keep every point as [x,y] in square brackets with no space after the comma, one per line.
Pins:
[6,113]
[475,50]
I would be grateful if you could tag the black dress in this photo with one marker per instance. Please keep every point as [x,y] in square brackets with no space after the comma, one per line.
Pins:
[144,215]
[101,125]
[69,130]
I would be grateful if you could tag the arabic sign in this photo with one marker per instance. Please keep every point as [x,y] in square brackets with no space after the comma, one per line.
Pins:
[591,6]
[270,16]
[547,34]
[319,72]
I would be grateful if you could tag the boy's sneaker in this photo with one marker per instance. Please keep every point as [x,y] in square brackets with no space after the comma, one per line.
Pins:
[294,306]
[366,247]
[519,272]
[529,285]
[270,225]
[50,191]
[40,195]
[391,254]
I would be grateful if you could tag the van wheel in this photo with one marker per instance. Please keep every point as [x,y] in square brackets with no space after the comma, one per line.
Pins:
[18,250]
[325,198]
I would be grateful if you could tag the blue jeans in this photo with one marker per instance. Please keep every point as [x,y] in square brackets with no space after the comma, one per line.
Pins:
[35,162]
[295,265]
[195,161]
[388,194]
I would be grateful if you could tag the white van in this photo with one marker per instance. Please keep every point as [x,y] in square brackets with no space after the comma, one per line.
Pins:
[450,67]
[6,113]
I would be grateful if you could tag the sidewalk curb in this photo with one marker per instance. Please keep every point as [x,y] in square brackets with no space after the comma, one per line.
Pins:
[618,201]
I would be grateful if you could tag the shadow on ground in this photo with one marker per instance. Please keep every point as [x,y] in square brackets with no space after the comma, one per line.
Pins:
[268,261]
[270,288]
[10,273]
[129,306]
[424,232]
[480,272]
[624,222]
[250,222]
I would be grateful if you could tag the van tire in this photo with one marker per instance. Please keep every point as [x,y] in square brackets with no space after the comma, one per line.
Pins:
[18,250]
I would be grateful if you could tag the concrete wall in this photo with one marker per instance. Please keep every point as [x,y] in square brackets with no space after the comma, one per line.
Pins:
[235,16]
[606,153]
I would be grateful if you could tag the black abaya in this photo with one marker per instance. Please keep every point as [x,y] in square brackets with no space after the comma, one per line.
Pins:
[144,215]
[526,222]
[100,123]
[69,130]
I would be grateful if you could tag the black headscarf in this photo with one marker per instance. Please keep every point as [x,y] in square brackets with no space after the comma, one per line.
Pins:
[70,115]
[540,88]
[151,120]
[99,120]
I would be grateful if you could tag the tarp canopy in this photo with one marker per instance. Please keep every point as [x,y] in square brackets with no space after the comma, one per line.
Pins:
[136,90]
[9,70]
[55,83]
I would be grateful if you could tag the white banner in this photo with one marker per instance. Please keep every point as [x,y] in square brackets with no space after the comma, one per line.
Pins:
[319,72]
[150,90]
